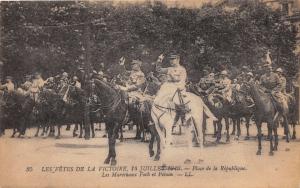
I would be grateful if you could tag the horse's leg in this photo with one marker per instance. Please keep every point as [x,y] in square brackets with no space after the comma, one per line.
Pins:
[294,130]
[233,126]
[14,132]
[238,124]
[93,129]
[80,129]
[112,143]
[158,149]
[75,130]
[270,135]
[37,131]
[215,129]
[287,128]
[153,134]
[276,138]
[247,127]
[51,132]
[258,125]
[138,130]
[58,132]
[109,131]
[227,129]
[121,133]
[219,130]
[43,130]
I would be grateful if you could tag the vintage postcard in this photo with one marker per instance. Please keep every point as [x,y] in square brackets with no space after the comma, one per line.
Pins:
[144,93]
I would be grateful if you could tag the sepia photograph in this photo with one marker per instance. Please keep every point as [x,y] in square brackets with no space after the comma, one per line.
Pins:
[150,93]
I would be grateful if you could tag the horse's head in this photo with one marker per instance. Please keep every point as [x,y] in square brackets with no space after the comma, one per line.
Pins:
[105,91]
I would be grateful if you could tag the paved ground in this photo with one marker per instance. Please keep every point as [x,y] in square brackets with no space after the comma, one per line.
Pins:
[16,155]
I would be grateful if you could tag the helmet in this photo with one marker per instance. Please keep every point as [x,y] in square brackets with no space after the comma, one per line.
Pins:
[224,72]
[75,78]
[279,70]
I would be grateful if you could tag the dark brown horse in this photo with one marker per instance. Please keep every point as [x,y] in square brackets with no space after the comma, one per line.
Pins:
[265,111]
[241,108]
[115,109]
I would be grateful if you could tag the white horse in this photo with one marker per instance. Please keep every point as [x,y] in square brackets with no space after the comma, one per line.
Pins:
[163,113]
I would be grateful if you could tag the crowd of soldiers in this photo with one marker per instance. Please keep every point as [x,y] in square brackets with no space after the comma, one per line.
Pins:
[212,84]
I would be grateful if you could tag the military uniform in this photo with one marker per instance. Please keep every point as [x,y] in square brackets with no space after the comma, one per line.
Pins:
[9,87]
[207,83]
[36,86]
[273,84]
[225,87]
[136,80]
[27,85]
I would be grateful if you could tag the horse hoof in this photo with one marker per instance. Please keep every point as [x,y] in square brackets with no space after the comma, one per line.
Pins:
[214,136]
[80,136]
[283,137]
[57,137]
[36,135]
[271,153]
[113,162]
[156,158]
[275,148]
[233,133]
[258,152]
[227,140]
[74,135]
[293,137]
[247,138]
[104,136]
[107,161]
[93,135]
[151,153]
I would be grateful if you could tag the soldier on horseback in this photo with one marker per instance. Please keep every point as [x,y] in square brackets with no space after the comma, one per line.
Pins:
[273,84]
[76,82]
[136,78]
[224,87]
[8,86]
[207,83]
[24,89]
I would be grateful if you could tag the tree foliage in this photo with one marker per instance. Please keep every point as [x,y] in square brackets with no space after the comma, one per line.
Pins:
[49,36]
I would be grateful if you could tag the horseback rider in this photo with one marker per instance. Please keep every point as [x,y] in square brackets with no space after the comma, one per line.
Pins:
[136,78]
[9,85]
[24,88]
[76,82]
[282,83]
[224,87]
[27,84]
[207,84]
[50,83]
[37,84]
[176,78]
[273,84]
